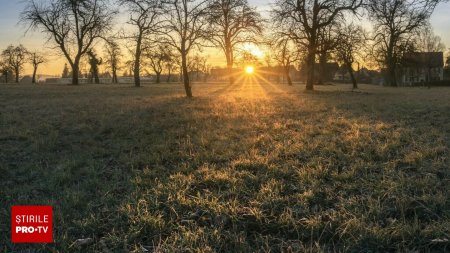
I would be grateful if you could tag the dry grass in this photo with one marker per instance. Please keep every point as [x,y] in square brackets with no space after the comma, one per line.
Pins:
[246,168]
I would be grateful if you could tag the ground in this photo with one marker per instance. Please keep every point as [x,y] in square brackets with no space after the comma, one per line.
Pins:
[253,167]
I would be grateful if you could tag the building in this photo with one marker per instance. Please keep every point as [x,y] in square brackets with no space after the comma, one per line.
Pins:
[420,68]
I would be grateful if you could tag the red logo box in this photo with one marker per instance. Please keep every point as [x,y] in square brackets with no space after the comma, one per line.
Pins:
[32,224]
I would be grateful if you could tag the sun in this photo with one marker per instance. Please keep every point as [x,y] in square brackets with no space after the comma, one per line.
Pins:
[249,70]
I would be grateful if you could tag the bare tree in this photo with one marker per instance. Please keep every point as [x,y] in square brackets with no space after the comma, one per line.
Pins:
[171,65]
[65,73]
[94,63]
[246,58]
[395,22]
[113,53]
[15,58]
[302,21]
[232,23]
[36,59]
[285,54]
[194,67]
[205,68]
[351,41]
[130,70]
[144,15]
[184,29]
[427,41]
[72,25]
[328,38]
[157,58]
[198,67]
[5,71]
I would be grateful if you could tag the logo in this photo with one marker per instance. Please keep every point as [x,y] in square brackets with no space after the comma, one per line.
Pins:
[32,224]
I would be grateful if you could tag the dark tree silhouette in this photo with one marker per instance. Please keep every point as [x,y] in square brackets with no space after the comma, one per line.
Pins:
[36,59]
[232,23]
[204,67]
[184,28]
[197,65]
[157,58]
[94,62]
[427,41]
[114,54]
[15,58]
[327,41]
[73,25]
[395,22]
[5,70]
[171,65]
[66,72]
[285,53]
[245,58]
[302,21]
[351,41]
[144,16]
[130,65]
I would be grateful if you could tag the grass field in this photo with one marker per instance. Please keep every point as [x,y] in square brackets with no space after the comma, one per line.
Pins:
[243,168]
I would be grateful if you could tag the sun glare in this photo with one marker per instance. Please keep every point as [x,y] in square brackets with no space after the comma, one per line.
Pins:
[250,70]
[253,49]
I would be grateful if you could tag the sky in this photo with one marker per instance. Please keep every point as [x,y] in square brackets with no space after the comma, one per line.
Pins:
[11,32]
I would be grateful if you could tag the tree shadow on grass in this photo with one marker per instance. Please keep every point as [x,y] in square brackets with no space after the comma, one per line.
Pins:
[302,172]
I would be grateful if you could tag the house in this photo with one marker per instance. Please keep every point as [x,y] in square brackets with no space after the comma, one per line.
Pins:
[341,75]
[422,67]
[26,80]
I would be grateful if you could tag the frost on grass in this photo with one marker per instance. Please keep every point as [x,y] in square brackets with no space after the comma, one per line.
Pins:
[246,168]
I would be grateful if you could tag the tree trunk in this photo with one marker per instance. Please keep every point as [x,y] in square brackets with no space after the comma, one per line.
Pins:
[17,74]
[352,76]
[186,81]
[33,80]
[114,76]
[310,63]
[96,78]
[391,64]
[158,77]
[392,76]
[137,62]
[169,75]
[322,63]
[230,62]
[75,72]
[230,74]
[288,75]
